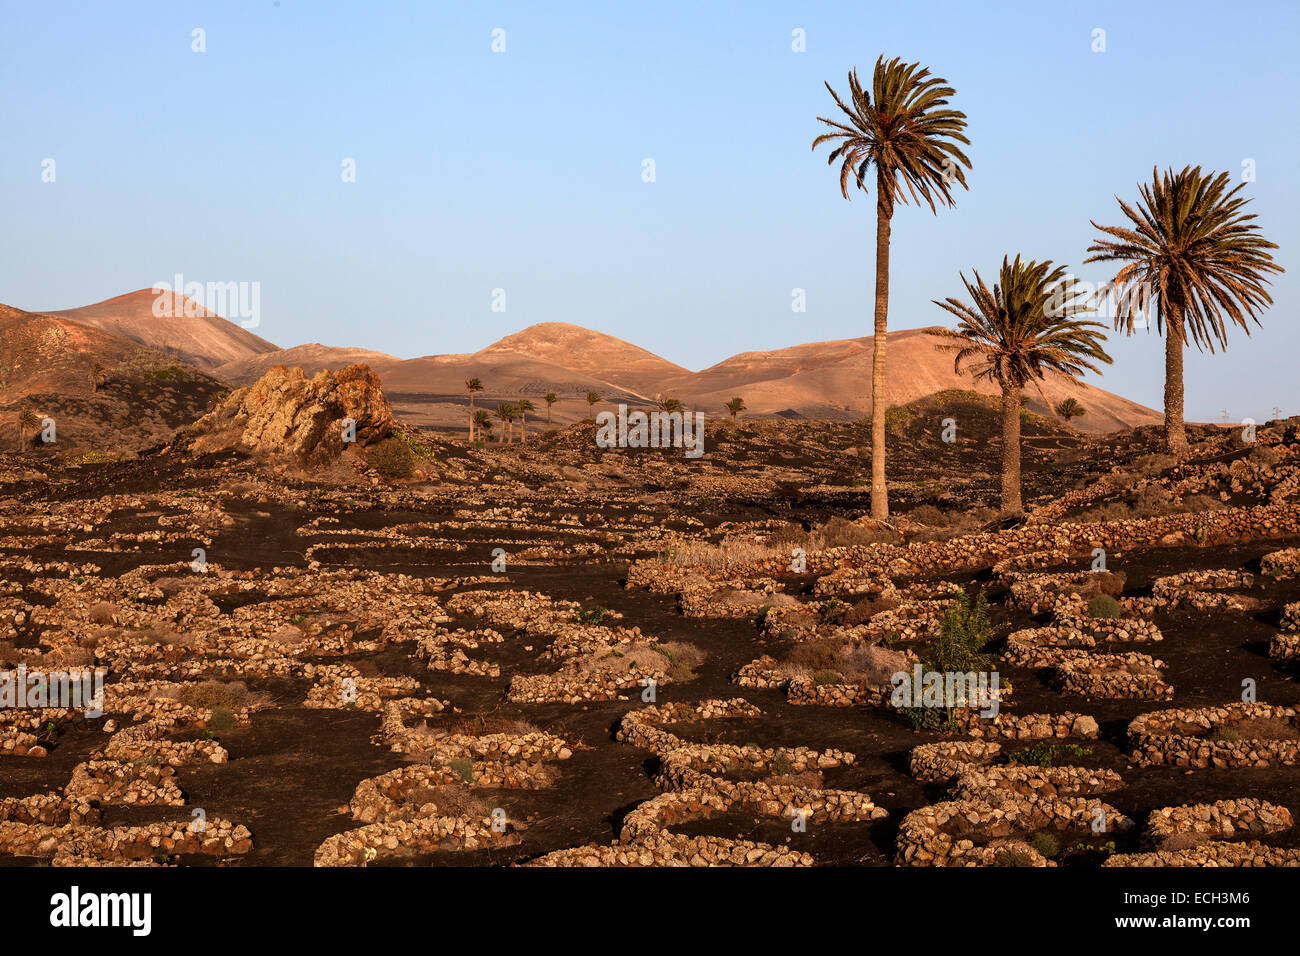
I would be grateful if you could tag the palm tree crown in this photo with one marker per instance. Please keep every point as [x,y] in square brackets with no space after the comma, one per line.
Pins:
[472,385]
[903,129]
[1195,248]
[1070,408]
[1023,327]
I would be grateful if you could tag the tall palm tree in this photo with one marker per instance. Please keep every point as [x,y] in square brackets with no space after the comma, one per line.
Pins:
[592,399]
[524,406]
[1016,333]
[669,405]
[25,422]
[736,406]
[506,412]
[1194,248]
[483,423]
[472,385]
[550,398]
[903,128]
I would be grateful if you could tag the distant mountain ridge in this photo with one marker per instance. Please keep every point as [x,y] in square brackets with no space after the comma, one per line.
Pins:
[818,380]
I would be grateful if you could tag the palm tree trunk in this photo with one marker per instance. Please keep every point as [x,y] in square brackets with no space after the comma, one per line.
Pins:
[548,416]
[1011,451]
[471,418]
[1175,430]
[879,493]
[523,428]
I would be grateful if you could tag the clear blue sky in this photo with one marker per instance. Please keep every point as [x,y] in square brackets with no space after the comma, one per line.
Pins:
[523,170]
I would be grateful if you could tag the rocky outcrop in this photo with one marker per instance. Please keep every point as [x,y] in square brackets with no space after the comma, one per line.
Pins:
[286,414]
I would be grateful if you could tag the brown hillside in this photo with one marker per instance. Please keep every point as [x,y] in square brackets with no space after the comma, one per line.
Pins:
[600,356]
[203,339]
[136,399]
[833,380]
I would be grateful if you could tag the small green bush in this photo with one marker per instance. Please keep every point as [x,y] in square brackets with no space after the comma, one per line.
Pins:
[222,720]
[1105,607]
[594,616]
[826,676]
[416,447]
[1045,844]
[928,718]
[964,631]
[165,374]
[393,459]
[1044,754]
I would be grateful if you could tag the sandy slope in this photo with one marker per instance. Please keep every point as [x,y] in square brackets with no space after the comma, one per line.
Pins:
[203,339]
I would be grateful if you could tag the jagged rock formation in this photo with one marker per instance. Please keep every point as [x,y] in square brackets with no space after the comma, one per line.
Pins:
[285,414]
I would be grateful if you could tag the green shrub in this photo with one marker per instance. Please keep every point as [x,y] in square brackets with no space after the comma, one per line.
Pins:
[594,616]
[826,676]
[964,631]
[1045,844]
[165,374]
[928,718]
[1105,607]
[416,447]
[222,719]
[1103,849]
[392,459]
[1045,754]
